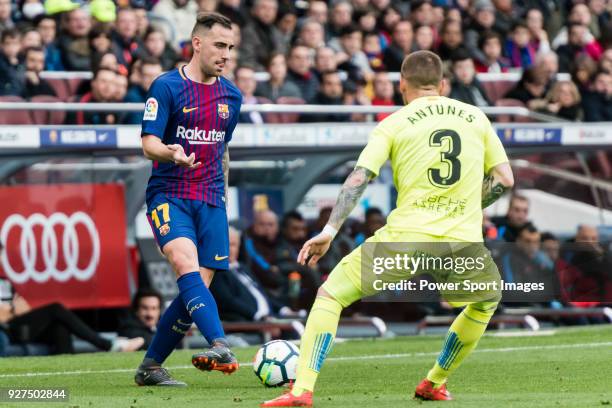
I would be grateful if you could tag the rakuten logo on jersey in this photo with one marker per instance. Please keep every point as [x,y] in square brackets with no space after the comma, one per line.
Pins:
[197,136]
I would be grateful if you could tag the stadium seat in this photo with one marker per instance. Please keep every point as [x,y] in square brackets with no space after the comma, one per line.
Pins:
[61,88]
[497,89]
[15,117]
[42,117]
[508,102]
[289,117]
[73,85]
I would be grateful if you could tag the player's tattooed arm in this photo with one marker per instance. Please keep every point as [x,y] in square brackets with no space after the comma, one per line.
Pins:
[225,165]
[351,192]
[492,189]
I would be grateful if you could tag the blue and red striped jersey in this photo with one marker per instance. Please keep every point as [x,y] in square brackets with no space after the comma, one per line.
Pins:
[199,117]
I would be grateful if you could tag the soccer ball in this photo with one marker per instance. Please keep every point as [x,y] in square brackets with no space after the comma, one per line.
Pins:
[275,363]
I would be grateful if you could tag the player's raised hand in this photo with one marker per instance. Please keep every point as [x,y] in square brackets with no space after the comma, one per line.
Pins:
[180,158]
[314,248]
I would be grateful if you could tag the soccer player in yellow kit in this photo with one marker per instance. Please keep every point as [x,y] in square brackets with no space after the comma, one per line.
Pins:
[440,150]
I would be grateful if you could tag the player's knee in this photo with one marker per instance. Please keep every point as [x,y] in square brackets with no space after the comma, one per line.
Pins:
[488,307]
[181,262]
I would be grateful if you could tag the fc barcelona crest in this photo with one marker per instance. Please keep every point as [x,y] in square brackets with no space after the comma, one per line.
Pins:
[223,110]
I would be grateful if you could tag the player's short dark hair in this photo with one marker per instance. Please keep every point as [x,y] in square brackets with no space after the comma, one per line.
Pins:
[422,68]
[206,20]
[143,293]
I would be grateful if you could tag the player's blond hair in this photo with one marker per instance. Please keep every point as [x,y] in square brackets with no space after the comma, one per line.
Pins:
[422,69]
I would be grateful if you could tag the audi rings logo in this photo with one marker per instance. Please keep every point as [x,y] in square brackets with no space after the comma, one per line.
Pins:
[49,243]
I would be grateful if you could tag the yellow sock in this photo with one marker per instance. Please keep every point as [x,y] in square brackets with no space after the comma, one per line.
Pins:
[461,339]
[316,342]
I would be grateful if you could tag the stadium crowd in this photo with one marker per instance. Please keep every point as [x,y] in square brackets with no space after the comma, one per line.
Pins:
[336,52]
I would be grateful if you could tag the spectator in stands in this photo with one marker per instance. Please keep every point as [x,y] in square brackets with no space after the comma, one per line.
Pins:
[563,100]
[300,72]
[125,38]
[34,65]
[374,220]
[30,37]
[594,262]
[311,34]
[11,69]
[121,89]
[423,38]
[106,60]
[350,57]
[341,16]
[490,43]
[259,251]
[576,45]
[605,63]
[103,89]
[539,37]
[526,262]
[584,70]
[506,14]
[148,69]
[579,14]
[142,20]
[143,318]
[286,22]
[383,93]
[366,19]
[47,27]
[400,46]
[451,37]
[6,22]
[155,45]
[518,48]
[330,93]
[277,85]
[317,10]
[100,41]
[293,235]
[73,41]
[548,64]
[239,295]
[483,20]
[260,38]
[325,61]
[373,50]
[181,14]
[244,77]
[531,87]
[340,246]
[51,324]
[515,219]
[465,87]
[597,102]
[388,19]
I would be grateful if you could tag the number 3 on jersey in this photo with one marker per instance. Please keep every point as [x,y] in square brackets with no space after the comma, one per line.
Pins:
[165,212]
[448,157]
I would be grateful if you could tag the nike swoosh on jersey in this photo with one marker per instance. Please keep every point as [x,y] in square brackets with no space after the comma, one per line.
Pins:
[187,110]
[220,258]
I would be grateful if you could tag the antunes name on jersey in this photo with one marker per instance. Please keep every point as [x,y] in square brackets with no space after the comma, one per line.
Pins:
[440,109]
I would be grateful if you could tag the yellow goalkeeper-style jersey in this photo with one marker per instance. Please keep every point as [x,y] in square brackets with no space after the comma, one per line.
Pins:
[440,149]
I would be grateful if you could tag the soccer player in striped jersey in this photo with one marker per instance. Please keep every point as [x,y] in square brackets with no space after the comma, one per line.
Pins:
[439,148]
[190,114]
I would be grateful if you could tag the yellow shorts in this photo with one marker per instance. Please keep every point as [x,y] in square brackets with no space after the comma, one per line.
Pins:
[351,279]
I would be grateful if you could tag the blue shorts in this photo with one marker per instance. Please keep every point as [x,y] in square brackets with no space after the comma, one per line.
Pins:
[204,224]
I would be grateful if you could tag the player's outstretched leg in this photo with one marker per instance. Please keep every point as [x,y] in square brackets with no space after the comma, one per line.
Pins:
[172,327]
[317,341]
[461,339]
[202,308]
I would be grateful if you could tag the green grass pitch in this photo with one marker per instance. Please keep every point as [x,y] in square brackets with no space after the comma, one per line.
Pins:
[570,368]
